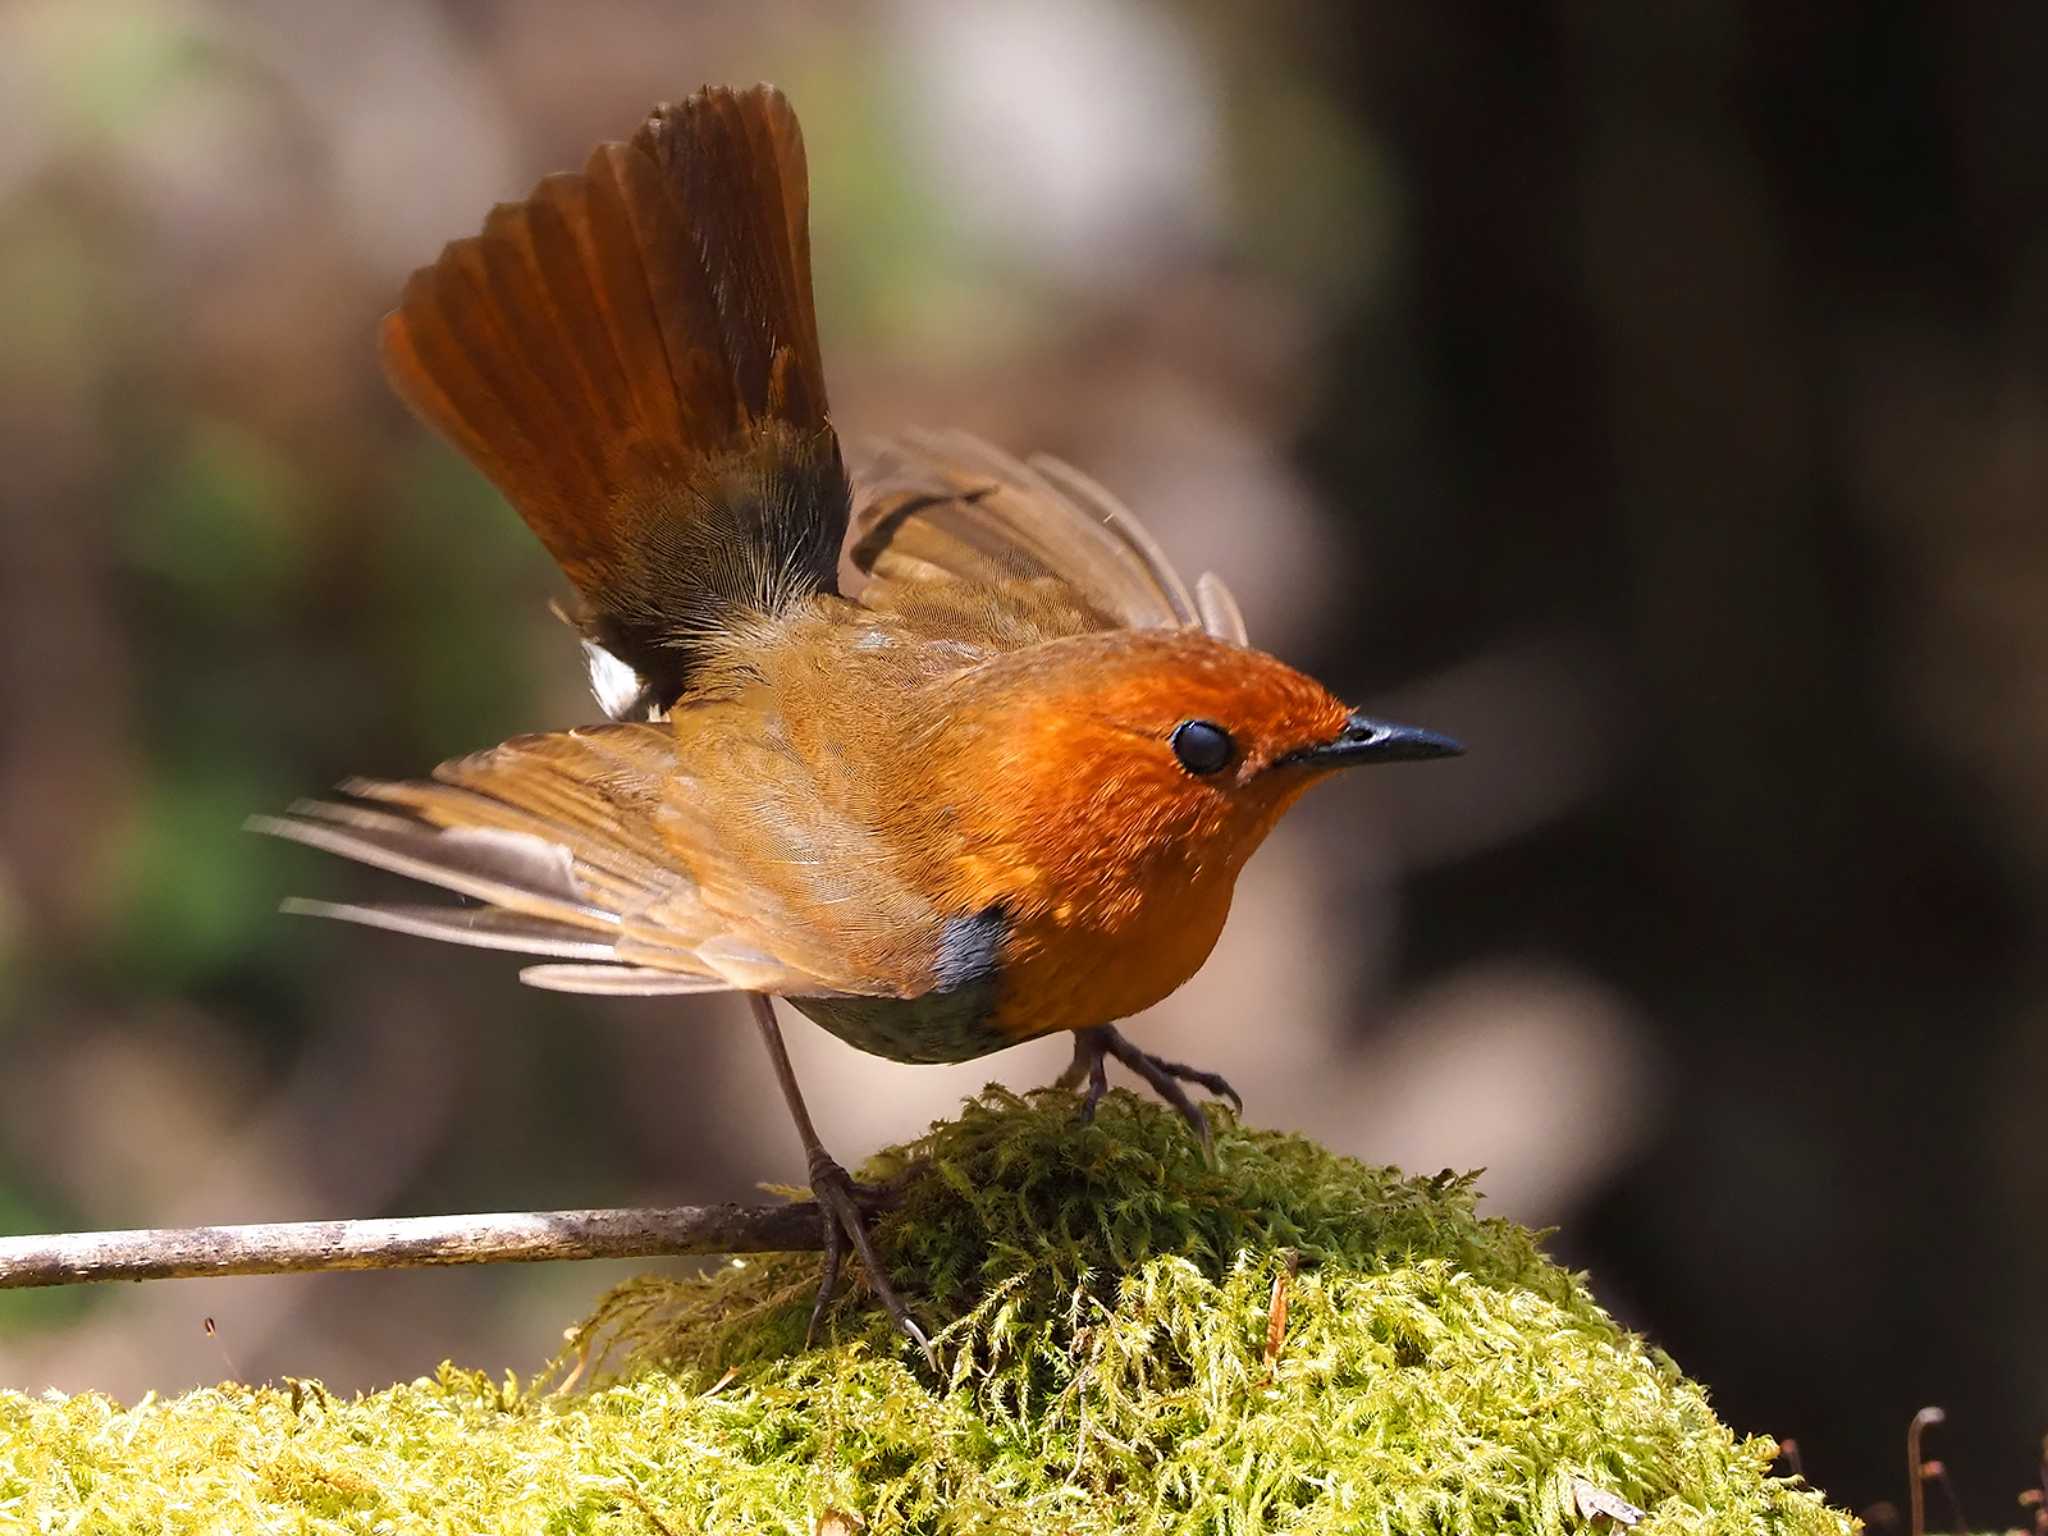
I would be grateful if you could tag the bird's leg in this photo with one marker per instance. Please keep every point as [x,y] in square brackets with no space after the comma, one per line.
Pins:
[838,1197]
[1091,1046]
[1090,1056]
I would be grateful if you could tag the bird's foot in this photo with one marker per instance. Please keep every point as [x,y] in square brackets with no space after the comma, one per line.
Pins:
[1093,1047]
[843,1205]
[1090,1054]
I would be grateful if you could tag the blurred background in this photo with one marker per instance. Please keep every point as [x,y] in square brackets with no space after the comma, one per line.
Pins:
[1655,397]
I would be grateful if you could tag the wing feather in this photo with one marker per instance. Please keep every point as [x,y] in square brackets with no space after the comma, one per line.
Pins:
[479,927]
[586,846]
[1221,616]
[618,980]
[946,508]
[513,870]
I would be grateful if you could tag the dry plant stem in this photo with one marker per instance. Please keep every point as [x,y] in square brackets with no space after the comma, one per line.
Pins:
[1916,1466]
[407,1242]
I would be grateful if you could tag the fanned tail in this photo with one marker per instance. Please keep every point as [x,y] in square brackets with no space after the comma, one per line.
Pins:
[631,356]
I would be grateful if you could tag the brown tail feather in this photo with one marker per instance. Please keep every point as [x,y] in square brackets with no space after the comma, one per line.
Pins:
[631,356]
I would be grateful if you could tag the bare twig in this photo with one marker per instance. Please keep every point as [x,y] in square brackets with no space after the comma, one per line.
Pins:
[409,1242]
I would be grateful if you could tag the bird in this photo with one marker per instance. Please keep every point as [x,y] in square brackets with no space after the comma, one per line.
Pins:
[948,759]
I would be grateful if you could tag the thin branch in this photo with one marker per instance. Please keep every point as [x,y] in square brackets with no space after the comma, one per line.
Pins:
[409,1242]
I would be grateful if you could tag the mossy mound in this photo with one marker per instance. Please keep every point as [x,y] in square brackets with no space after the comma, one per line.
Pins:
[1110,1369]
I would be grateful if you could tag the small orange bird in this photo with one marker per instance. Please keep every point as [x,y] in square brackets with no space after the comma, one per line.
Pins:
[950,764]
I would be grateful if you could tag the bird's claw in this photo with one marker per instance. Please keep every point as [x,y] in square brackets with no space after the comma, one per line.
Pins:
[844,1205]
[1092,1048]
[1090,1063]
[1215,1082]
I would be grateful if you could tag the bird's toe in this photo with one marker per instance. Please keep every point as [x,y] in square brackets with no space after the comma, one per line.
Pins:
[845,1203]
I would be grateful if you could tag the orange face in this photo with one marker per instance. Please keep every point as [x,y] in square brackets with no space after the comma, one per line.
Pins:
[1163,724]
[1175,727]
[1106,790]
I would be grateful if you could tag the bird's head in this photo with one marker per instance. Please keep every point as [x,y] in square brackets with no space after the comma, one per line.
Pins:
[1134,756]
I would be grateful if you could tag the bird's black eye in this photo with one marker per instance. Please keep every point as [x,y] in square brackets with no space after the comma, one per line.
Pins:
[1202,746]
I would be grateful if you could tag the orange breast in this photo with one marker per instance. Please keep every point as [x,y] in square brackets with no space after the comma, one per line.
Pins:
[1081,963]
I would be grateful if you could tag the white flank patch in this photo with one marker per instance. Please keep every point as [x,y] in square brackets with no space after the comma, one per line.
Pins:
[617,686]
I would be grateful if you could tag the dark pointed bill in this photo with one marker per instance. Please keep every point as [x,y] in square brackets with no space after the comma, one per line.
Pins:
[1366,740]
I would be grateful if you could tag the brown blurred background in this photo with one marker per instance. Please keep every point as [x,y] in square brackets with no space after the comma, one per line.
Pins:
[1656,397]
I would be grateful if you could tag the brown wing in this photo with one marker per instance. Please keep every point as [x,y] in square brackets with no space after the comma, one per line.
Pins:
[597,849]
[945,510]
[631,356]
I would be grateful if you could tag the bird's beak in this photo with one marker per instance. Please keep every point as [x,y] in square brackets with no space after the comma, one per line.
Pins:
[1366,740]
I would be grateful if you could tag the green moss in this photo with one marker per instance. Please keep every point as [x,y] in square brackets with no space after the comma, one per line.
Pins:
[1110,1298]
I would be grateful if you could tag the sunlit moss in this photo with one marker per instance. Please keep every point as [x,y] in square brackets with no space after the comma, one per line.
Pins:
[1109,1370]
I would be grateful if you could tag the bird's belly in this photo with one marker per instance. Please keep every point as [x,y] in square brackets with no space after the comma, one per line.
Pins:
[955,1025]
[1064,969]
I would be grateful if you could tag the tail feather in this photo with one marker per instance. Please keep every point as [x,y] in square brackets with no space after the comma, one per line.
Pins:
[631,355]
